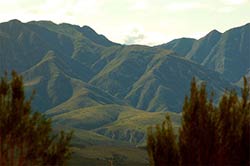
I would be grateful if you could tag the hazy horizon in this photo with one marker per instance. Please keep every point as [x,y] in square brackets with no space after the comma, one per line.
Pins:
[129,22]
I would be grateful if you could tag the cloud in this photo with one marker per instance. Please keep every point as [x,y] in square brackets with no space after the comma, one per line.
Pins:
[183,6]
[234,2]
[64,6]
[198,34]
[227,9]
[138,35]
[134,37]
[140,5]
[70,11]
[230,6]
[29,3]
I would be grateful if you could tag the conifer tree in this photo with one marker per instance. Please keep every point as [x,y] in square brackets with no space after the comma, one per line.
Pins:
[197,133]
[162,142]
[26,137]
[233,128]
[209,135]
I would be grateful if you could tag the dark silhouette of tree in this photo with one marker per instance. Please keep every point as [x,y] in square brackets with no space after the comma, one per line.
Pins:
[209,135]
[26,137]
[197,134]
[233,127]
[162,142]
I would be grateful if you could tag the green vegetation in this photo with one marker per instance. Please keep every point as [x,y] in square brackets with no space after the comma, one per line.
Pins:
[209,135]
[162,143]
[26,137]
[117,122]
[104,154]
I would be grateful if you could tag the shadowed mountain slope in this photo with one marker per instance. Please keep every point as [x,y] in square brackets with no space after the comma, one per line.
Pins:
[182,46]
[227,53]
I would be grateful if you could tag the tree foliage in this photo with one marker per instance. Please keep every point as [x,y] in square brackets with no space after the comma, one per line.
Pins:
[197,130]
[26,137]
[162,142]
[209,135]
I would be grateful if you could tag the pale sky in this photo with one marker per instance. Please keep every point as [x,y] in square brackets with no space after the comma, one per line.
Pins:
[148,22]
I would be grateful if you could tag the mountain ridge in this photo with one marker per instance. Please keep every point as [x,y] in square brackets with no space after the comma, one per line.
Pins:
[227,53]
[81,53]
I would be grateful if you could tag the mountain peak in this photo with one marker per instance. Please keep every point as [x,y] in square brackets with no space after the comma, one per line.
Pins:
[88,29]
[15,21]
[48,22]
[213,32]
[213,36]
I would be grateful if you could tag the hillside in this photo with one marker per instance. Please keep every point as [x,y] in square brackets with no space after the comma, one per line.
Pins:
[227,53]
[110,93]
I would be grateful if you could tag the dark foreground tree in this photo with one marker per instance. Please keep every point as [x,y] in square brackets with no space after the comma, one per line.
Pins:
[208,135]
[26,137]
[233,128]
[162,142]
[197,133]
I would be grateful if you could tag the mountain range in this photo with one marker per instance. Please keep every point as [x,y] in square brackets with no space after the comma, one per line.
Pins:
[109,92]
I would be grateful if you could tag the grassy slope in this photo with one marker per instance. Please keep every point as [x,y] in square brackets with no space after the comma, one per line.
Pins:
[101,155]
[117,122]
[109,130]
